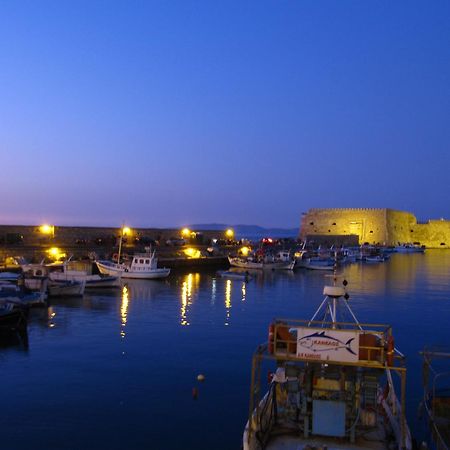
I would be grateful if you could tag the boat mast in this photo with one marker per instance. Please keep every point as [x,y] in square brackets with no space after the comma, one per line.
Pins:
[120,245]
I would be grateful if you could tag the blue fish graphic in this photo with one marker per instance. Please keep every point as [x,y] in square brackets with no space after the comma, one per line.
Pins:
[321,342]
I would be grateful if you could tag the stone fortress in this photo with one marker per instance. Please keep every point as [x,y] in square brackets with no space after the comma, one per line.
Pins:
[352,226]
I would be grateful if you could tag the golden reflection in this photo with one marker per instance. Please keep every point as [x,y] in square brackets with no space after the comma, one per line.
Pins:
[243,291]
[124,310]
[227,301]
[186,298]
[213,291]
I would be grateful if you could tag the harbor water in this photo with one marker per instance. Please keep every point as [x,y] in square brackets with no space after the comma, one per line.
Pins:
[117,369]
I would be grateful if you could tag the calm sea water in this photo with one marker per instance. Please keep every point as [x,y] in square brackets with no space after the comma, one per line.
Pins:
[116,369]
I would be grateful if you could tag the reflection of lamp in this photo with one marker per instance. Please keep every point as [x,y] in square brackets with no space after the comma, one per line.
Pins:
[124,310]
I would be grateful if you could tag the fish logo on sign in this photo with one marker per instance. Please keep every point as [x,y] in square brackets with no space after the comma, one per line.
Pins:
[321,342]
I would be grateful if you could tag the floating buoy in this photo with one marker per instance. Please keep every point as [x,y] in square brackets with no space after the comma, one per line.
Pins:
[194,393]
[201,377]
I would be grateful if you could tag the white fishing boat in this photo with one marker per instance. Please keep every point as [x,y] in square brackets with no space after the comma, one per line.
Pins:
[249,263]
[142,266]
[332,384]
[66,288]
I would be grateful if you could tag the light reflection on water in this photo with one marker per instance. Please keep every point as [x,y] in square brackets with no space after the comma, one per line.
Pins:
[102,386]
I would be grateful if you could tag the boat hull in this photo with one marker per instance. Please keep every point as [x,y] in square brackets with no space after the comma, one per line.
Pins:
[237,262]
[112,269]
[66,288]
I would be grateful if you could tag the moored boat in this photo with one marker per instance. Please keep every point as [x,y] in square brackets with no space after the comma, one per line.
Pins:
[249,263]
[142,266]
[69,288]
[332,385]
[410,248]
[64,273]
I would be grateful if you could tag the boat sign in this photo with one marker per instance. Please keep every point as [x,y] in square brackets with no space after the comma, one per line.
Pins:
[321,344]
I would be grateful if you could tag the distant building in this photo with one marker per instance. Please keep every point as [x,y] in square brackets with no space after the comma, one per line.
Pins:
[372,225]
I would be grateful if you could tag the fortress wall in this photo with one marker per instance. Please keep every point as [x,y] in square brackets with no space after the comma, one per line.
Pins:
[367,223]
[434,234]
[384,226]
[399,227]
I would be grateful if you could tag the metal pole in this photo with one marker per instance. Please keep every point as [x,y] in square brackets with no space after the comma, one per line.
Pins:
[403,418]
[120,246]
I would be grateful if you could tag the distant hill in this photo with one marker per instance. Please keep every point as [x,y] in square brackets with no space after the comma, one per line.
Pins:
[249,231]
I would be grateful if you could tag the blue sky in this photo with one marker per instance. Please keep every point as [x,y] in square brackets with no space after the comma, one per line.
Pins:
[164,113]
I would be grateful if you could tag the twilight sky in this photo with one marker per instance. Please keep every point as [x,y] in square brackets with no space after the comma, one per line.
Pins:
[164,113]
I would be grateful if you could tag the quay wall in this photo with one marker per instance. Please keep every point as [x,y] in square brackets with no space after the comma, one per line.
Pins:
[31,242]
[374,226]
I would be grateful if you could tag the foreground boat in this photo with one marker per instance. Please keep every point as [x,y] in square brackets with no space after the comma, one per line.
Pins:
[246,263]
[333,384]
[143,266]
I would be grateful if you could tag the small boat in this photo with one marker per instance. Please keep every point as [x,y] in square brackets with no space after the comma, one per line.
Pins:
[102,281]
[92,281]
[12,317]
[70,288]
[13,312]
[142,266]
[332,383]
[35,276]
[20,297]
[243,276]
[436,396]
[9,276]
[410,248]
[316,264]
[249,263]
